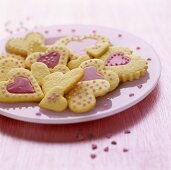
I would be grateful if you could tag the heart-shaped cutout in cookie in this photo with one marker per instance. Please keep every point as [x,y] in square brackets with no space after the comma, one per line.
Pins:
[90,73]
[117,59]
[20,85]
[51,59]
[81,45]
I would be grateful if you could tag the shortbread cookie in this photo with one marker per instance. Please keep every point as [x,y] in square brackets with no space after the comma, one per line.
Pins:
[66,81]
[39,71]
[95,69]
[75,63]
[18,57]
[61,68]
[52,57]
[21,86]
[83,97]
[78,45]
[6,65]
[20,45]
[54,100]
[128,66]
[37,46]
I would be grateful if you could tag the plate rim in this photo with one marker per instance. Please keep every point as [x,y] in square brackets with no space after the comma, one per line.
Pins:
[95,117]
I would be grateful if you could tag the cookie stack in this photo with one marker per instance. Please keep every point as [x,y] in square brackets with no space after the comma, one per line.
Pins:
[71,73]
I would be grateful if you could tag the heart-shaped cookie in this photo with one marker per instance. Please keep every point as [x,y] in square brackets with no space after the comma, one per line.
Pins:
[66,81]
[78,45]
[83,97]
[39,71]
[20,45]
[98,50]
[95,69]
[54,100]
[21,86]
[128,66]
[52,57]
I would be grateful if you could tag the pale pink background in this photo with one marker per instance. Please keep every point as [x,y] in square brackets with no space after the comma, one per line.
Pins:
[30,146]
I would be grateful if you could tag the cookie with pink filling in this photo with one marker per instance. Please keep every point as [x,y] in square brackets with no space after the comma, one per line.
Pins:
[83,97]
[21,86]
[95,69]
[20,45]
[51,57]
[128,66]
[84,47]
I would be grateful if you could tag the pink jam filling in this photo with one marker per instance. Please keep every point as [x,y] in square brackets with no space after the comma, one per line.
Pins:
[90,73]
[79,46]
[20,85]
[51,59]
[117,59]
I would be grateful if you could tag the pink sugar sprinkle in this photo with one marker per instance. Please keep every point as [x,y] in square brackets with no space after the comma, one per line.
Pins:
[46,31]
[125,150]
[127,131]
[119,35]
[93,156]
[148,59]
[138,48]
[131,94]
[114,142]
[73,30]
[94,31]
[38,114]
[106,149]
[93,146]
[109,135]
[140,86]
[59,30]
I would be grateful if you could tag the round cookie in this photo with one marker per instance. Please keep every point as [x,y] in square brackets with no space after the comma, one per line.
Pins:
[95,69]
[128,66]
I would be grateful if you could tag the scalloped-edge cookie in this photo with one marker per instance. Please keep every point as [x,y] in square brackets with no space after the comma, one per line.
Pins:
[21,86]
[6,65]
[18,57]
[54,100]
[66,81]
[95,69]
[83,97]
[20,45]
[52,57]
[128,66]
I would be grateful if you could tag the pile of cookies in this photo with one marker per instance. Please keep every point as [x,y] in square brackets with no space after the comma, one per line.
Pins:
[71,73]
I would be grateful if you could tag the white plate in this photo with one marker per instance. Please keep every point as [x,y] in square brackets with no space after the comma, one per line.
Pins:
[108,105]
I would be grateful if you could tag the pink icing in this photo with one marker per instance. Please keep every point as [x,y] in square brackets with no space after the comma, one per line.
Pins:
[79,46]
[91,74]
[117,59]
[20,85]
[51,59]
